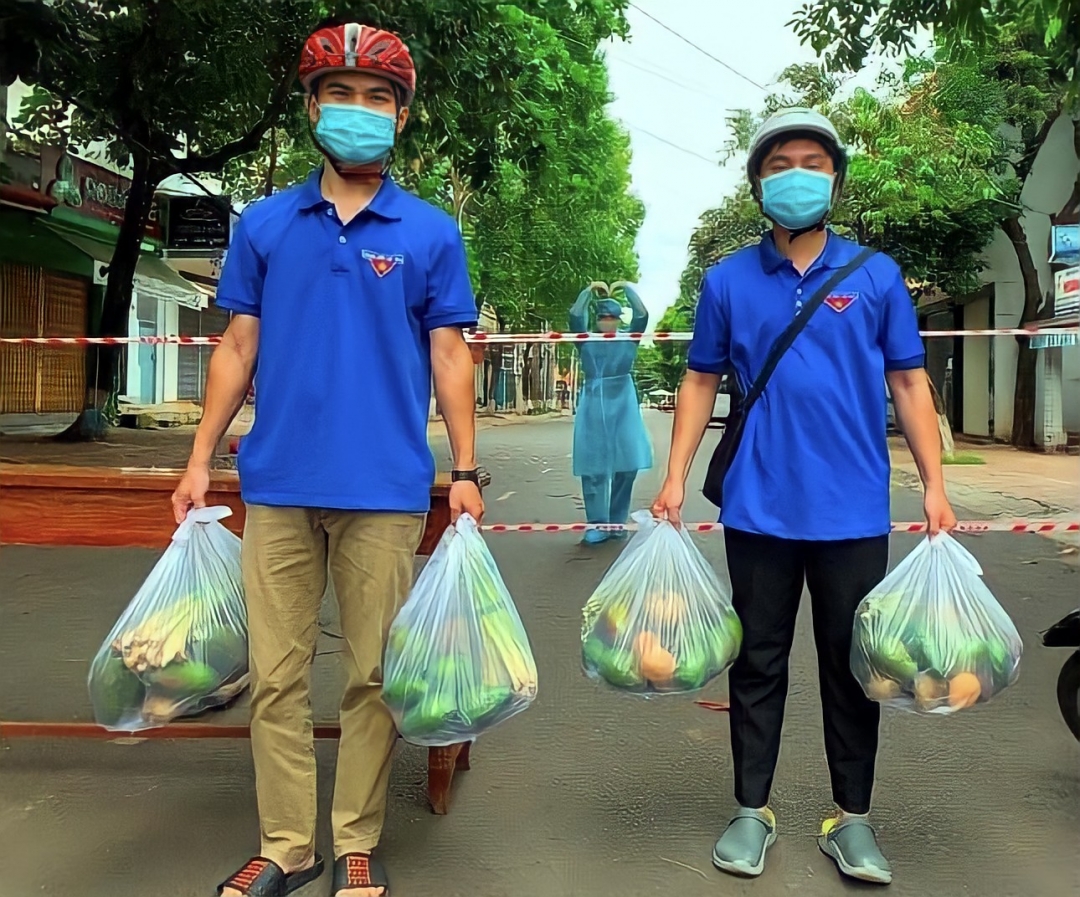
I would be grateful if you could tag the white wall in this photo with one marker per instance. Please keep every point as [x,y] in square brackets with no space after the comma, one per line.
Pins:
[1004,272]
[976,368]
[169,355]
[1070,388]
[1045,193]
[131,352]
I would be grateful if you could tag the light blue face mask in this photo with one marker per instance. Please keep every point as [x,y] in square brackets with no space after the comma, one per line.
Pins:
[797,198]
[355,135]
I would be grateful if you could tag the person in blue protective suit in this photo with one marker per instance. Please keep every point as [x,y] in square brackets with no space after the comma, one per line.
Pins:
[610,443]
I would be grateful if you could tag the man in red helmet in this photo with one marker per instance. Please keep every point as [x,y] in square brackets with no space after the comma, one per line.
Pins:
[349,297]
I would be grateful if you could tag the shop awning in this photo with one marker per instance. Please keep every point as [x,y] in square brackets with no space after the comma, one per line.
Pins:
[153,277]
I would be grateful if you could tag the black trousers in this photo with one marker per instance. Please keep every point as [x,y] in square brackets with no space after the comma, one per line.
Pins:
[767,577]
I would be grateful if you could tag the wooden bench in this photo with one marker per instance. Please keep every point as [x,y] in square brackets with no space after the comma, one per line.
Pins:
[58,505]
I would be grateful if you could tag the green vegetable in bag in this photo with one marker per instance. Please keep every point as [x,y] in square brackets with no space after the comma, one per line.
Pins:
[116,693]
[457,659]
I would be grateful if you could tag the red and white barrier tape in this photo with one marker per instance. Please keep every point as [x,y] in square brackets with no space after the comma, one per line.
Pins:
[110,340]
[966,526]
[479,338]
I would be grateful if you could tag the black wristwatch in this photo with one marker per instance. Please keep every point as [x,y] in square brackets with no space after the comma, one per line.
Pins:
[467,476]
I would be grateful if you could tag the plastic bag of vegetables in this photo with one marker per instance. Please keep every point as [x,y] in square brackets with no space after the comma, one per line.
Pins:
[181,646]
[661,620]
[931,637]
[457,660]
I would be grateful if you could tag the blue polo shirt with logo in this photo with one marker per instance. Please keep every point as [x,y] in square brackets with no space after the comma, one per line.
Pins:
[814,460]
[343,379]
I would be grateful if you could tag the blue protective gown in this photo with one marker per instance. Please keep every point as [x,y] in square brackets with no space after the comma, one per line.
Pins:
[609,433]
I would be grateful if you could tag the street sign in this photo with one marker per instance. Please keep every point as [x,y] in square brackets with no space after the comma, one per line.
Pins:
[88,189]
[1067,291]
[1065,244]
[197,222]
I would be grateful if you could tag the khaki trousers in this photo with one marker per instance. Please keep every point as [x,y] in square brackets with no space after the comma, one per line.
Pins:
[287,555]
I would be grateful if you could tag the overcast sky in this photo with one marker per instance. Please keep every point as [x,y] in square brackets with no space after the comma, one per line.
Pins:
[677,185]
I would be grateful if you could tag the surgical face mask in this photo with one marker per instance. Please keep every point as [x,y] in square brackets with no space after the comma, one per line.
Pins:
[797,198]
[354,134]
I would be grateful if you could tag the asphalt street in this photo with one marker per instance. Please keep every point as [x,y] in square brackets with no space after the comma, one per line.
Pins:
[590,793]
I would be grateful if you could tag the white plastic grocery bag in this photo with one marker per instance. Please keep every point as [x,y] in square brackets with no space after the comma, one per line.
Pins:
[661,620]
[181,646]
[930,637]
[458,661]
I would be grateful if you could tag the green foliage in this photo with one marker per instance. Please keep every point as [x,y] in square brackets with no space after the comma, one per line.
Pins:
[167,79]
[509,131]
[662,365]
[926,184]
[543,234]
[735,223]
[518,146]
[846,31]
[939,160]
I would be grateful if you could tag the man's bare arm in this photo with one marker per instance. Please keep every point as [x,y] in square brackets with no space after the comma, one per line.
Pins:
[231,369]
[452,369]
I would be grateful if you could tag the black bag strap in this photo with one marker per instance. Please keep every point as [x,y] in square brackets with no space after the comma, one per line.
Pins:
[784,341]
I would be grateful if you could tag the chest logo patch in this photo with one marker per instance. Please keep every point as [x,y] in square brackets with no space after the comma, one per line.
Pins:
[383,264]
[839,302]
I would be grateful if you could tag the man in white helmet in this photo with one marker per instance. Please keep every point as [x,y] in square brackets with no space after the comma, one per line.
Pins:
[806,497]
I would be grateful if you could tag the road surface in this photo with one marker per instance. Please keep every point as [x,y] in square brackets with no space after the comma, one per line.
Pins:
[588,794]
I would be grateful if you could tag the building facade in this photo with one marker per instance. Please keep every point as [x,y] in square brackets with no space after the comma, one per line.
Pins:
[59,221]
[977,375]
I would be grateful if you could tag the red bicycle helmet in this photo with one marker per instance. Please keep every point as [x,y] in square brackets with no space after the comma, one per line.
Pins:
[353,47]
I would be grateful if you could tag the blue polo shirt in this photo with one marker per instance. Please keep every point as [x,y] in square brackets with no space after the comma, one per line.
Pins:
[343,380]
[814,460]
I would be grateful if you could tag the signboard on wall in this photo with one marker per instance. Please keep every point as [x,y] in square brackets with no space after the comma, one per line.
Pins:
[197,222]
[89,189]
[1067,291]
[1065,244]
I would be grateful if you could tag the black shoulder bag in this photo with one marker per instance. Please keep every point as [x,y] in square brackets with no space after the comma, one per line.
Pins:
[713,488]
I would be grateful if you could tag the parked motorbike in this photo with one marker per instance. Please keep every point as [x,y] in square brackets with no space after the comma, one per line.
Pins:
[1065,633]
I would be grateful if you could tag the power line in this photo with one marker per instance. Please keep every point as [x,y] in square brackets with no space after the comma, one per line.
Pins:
[713,162]
[663,77]
[700,49]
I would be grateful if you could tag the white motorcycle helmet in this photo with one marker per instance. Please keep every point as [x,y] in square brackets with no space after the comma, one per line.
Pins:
[792,123]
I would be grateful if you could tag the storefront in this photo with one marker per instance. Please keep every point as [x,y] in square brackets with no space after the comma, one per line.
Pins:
[149,373]
[57,236]
[197,225]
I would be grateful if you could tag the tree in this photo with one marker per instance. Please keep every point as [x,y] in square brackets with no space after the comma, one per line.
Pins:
[1025,56]
[538,181]
[1012,87]
[168,87]
[662,365]
[735,223]
[921,186]
[846,31]
[190,86]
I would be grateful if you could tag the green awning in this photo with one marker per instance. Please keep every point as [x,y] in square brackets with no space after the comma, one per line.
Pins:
[153,277]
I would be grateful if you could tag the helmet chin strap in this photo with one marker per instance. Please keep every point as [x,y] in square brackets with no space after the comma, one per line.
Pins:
[795,234]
